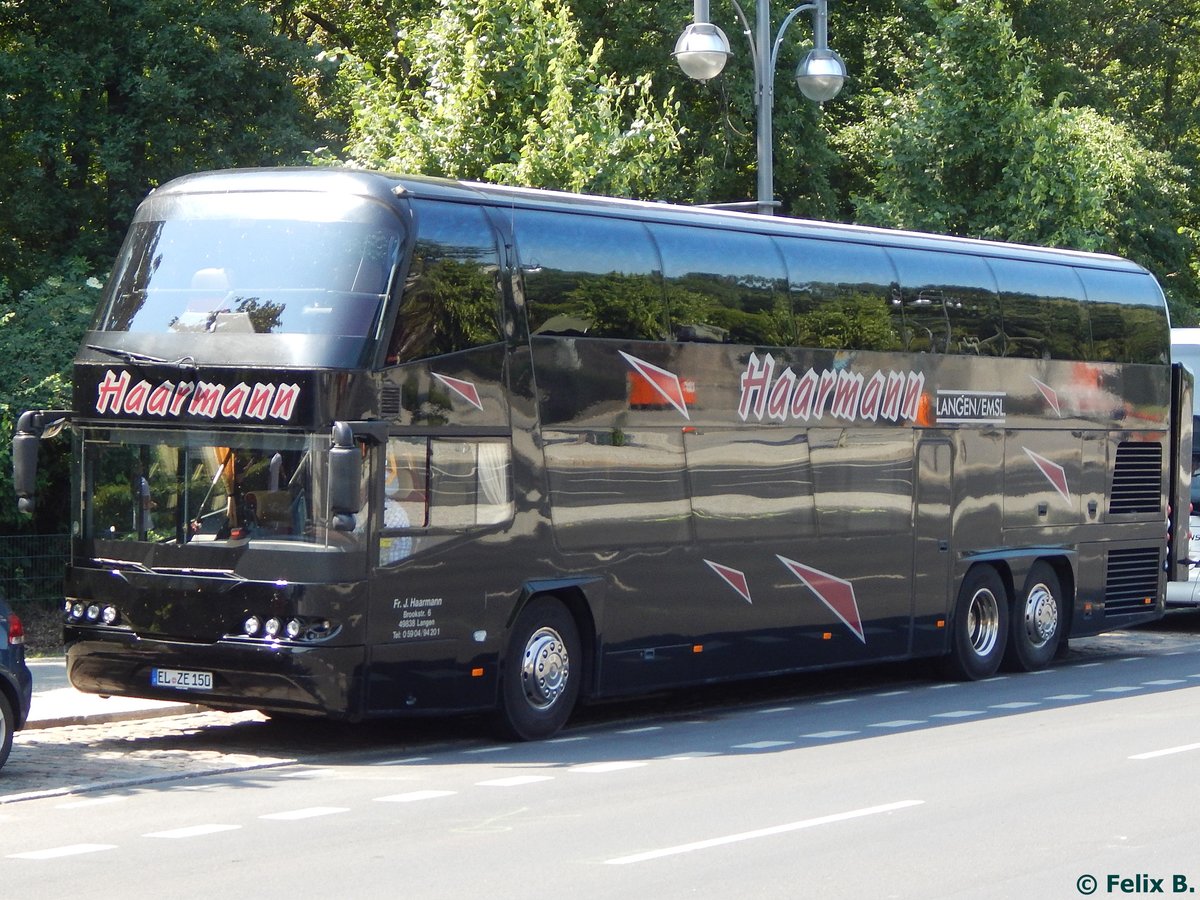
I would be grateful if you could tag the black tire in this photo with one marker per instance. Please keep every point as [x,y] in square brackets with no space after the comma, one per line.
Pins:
[979,630]
[1037,621]
[8,724]
[539,678]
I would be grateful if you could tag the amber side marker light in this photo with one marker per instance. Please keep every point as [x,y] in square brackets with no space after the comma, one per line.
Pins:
[827,636]
[477,673]
[941,623]
[697,648]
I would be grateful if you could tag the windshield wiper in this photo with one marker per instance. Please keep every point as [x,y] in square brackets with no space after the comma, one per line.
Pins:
[132,356]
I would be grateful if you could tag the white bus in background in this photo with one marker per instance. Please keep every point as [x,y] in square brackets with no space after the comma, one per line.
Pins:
[1185,348]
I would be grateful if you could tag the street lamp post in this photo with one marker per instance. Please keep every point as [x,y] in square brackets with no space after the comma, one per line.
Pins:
[703,49]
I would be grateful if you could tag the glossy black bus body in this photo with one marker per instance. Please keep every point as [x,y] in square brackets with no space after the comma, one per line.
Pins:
[606,447]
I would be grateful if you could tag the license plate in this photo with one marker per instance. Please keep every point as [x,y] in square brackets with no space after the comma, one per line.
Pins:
[181,679]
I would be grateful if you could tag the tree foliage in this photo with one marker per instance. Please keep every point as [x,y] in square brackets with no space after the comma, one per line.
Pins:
[504,91]
[971,147]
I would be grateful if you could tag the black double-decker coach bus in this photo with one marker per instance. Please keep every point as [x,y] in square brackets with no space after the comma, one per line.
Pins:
[362,445]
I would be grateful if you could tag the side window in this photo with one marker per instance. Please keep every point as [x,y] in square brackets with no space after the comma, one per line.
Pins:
[441,485]
[1044,312]
[1129,318]
[589,276]
[948,304]
[723,286]
[451,298]
[842,295]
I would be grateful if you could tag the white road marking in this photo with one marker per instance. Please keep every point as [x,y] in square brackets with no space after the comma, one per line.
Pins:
[310,773]
[777,709]
[891,693]
[57,852]
[897,723]
[310,813]
[836,702]
[1015,704]
[958,714]
[514,781]
[691,754]
[762,745]
[643,730]
[413,796]
[1119,689]
[1162,682]
[402,762]
[1069,697]
[568,740]
[762,832]
[191,831]
[825,735]
[1154,754]
[601,768]
[479,750]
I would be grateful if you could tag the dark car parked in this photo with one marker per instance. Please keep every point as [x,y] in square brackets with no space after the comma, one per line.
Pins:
[16,684]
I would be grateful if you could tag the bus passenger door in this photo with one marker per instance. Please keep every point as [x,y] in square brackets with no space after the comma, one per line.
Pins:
[933,543]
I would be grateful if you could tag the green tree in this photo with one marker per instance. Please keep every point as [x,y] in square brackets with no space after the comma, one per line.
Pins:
[503,90]
[104,99]
[973,149]
[40,330]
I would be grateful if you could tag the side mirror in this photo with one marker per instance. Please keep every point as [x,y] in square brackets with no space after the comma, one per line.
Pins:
[33,425]
[345,472]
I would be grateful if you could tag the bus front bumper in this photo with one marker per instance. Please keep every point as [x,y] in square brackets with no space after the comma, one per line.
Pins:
[231,675]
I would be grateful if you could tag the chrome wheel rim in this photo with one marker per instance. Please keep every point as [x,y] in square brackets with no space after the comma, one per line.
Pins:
[983,622]
[545,668]
[1041,615]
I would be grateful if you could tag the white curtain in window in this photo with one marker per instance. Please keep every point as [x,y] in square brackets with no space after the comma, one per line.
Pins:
[493,460]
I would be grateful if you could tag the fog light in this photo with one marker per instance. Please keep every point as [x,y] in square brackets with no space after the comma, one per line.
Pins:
[272,628]
[93,612]
[77,611]
[293,628]
[109,615]
[251,626]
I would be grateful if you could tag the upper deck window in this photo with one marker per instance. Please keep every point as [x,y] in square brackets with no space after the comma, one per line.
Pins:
[258,262]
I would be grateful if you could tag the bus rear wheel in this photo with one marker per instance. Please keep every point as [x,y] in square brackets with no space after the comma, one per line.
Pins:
[1037,621]
[979,632]
[539,678]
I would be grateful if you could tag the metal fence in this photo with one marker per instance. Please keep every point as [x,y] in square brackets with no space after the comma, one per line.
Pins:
[32,566]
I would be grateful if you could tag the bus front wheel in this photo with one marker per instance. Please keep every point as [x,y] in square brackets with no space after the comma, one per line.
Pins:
[979,632]
[539,678]
[1037,621]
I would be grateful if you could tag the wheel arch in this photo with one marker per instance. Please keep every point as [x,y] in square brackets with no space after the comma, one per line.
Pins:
[579,596]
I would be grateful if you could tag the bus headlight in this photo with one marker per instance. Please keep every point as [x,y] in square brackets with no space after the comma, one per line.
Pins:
[251,626]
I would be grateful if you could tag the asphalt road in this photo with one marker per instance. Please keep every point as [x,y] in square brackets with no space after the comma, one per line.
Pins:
[869,784]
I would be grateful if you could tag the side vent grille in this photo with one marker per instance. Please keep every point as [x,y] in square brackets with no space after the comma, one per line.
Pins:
[1132,582]
[389,402]
[1137,478]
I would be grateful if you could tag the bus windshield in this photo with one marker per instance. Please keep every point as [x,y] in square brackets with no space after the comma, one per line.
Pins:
[254,263]
[189,488]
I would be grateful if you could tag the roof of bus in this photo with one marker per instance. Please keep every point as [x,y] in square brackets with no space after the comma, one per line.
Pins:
[384,186]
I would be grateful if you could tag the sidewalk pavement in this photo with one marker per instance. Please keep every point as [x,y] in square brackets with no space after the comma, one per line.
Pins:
[56,703]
